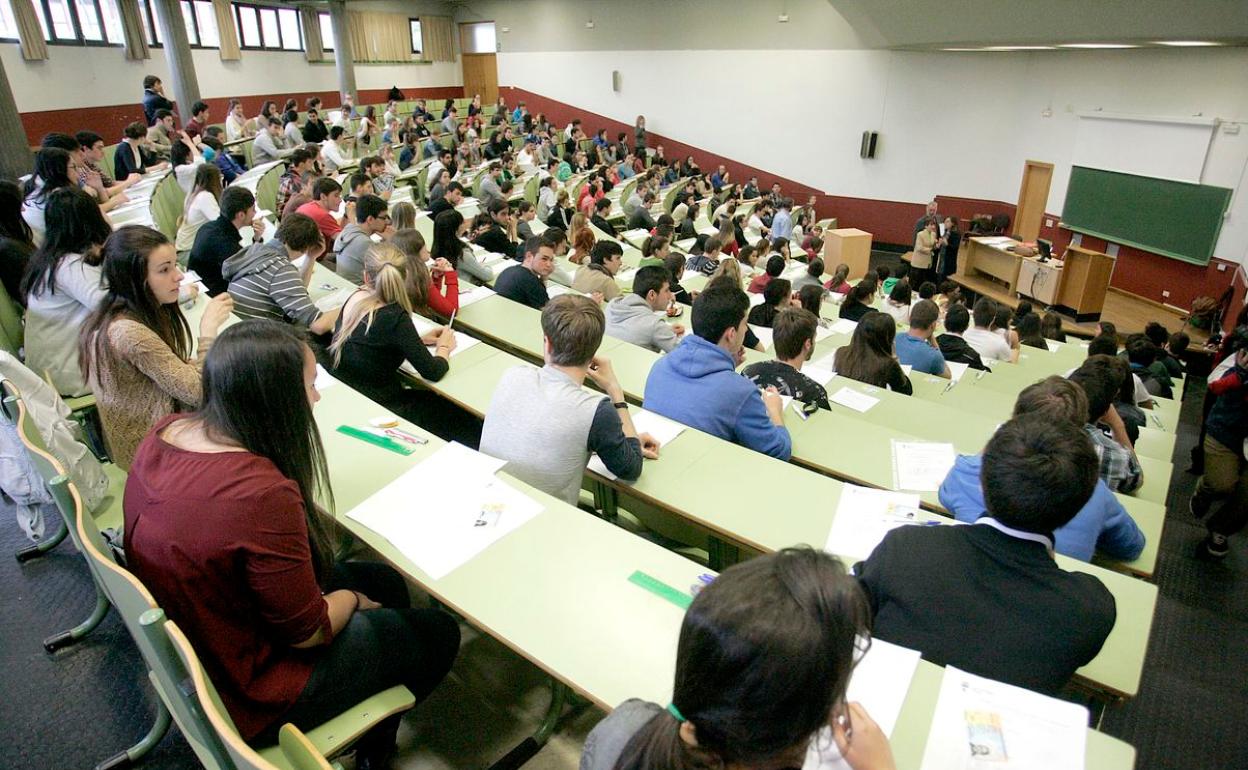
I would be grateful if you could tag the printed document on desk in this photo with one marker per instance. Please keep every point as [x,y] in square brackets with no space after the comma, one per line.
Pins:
[470,294]
[921,466]
[335,299]
[662,429]
[981,724]
[447,509]
[880,682]
[859,402]
[424,326]
[864,516]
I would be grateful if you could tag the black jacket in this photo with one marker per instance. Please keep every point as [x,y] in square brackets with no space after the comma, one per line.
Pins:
[153,101]
[215,242]
[958,351]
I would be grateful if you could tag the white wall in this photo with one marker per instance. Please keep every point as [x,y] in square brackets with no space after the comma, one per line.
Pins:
[951,124]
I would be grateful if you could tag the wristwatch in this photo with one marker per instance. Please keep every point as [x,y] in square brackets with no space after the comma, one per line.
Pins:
[620,404]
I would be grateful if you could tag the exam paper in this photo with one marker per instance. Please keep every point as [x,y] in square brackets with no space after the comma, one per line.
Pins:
[864,516]
[980,724]
[425,326]
[335,299]
[906,369]
[921,466]
[880,682]
[447,509]
[755,299]
[859,402]
[663,429]
[956,370]
[1053,345]
[470,294]
[324,379]
[844,326]
[820,374]
[764,335]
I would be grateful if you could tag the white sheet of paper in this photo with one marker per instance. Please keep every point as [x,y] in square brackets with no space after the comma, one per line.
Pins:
[335,299]
[822,333]
[906,369]
[756,299]
[689,274]
[864,516]
[844,326]
[324,379]
[299,261]
[662,429]
[880,682]
[470,294]
[455,487]
[190,277]
[1037,732]
[820,374]
[764,335]
[859,402]
[1054,346]
[956,370]
[921,466]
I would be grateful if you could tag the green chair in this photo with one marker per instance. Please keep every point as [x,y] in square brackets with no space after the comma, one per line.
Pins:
[12,332]
[530,189]
[266,189]
[107,515]
[109,161]
[166,205]
[299,751]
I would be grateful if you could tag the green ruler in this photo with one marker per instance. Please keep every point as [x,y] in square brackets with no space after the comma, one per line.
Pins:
[661,589]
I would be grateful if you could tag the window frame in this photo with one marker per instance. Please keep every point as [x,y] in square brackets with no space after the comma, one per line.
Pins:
[147,14]
[412,38]
[43,9]
[327,43]
[264,44]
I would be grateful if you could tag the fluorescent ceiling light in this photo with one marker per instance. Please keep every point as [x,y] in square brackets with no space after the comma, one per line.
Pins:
[961,49]
[1097,45]
[1187,43]
[1019,48]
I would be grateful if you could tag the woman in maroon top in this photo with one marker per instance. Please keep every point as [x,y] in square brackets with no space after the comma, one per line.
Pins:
[221,525]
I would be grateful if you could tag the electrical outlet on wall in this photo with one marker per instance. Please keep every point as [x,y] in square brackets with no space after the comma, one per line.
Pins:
[1048,223]
[1165,294]
[1221,267]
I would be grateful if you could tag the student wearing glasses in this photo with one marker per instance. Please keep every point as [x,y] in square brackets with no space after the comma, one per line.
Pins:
[372,217]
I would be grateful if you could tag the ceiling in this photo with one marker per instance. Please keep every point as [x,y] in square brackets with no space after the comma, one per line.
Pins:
[941,24]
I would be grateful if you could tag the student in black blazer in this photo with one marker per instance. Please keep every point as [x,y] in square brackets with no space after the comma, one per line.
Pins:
[128,159]
[988,597]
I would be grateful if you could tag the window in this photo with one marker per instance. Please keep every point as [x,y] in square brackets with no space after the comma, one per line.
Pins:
[70,22]
[418,42]
[197,17]
[327,31]
[8,25]
[273,29]
[477,37]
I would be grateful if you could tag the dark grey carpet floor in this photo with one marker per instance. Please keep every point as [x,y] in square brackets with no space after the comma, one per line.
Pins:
[79,706]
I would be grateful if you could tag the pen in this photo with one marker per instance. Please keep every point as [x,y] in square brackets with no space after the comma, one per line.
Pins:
[403,435]
[381,441]
[452,321]
[948,387]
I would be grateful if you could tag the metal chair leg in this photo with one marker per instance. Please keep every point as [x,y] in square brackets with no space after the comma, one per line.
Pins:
[47,544]
[528,748]
[141,749]
[66,638]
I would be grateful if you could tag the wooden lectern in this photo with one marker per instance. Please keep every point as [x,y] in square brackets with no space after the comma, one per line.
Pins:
[849,245]
[1085,280]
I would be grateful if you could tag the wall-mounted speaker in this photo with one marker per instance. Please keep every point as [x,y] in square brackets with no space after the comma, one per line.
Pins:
[615,81]
[869,141]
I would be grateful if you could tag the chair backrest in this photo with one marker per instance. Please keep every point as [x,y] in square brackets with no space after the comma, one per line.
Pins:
[242,756]
[44,462]
[166,205]
[12,334]
[530,189]
[299,751]
[266,189]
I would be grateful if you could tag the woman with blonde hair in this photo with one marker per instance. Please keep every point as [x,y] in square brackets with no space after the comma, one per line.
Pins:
[375,336]
[731,268]
[403,216]
[436,287]
[203,205]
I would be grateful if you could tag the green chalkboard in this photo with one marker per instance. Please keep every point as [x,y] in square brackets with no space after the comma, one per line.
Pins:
[1174,219]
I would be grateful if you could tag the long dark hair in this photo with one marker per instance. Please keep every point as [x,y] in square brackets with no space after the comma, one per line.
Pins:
[253,396]
[74,226]
[869,354]
[446,242]
[12,225]
[764,658]
[126,254]
[51,170]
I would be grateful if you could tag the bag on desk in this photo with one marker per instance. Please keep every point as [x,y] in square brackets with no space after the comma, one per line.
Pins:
[1023,251]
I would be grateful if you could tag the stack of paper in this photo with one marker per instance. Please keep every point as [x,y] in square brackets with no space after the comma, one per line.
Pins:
[981,723]
[469,294]
[446,510]
[859,402]
[879,683]
[864,516]
[844,326]
[921,466]
[662,429]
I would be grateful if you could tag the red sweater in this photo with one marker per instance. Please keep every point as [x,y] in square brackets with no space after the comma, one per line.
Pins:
[221,542]
[444,304]
[759,283]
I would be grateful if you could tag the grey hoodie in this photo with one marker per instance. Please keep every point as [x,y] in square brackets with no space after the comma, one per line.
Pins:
[630,318]
[351,246]
[265,284]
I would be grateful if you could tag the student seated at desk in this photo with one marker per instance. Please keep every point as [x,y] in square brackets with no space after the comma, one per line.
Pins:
[598,275]
[697,383]
[984,337]
[634,316]
[858,301]
[268,145]
[442,281]
[953,347]
[526,282]
[546,424]
[1142,356]
[916,348]
[374,336]
[265,284]
[499,237]
[707,260]
[200,207]
[775,266]
[794,338]
[220,239]
[1029,332]
[449,228]
[776,296]
[897,303]
[1119,467]
[222,525]
[675,263]
[135,348]
[372,217]
[323,208]
[1101,525]
[869,356]
[765,655]
[812,277]
[1107,345]
[1166,355]
[988,597]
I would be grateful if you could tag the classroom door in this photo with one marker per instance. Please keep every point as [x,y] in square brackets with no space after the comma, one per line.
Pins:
[480,76]
[1033,196]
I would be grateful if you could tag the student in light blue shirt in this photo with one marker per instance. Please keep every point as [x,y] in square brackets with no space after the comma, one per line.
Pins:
[1102,525]
[782,221]
[916,348]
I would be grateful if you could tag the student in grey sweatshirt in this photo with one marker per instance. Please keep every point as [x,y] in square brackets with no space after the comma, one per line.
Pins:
[632,317]
[372,216]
